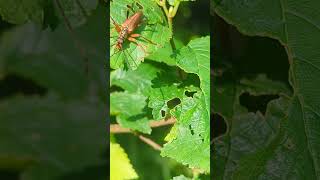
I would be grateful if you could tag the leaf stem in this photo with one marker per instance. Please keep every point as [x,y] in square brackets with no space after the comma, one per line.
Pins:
[150,142]
[169,14]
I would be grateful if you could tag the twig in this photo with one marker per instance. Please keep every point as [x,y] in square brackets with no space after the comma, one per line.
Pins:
[150,142]
[74,37]
[116,128]
[162,122]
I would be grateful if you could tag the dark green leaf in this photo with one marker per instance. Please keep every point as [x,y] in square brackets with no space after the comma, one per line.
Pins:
[34,129]
[295,25]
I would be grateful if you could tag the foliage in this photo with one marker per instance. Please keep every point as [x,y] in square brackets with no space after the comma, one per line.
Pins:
[278,144]
[121,167]
[171,81]
[51,118]
[43,12]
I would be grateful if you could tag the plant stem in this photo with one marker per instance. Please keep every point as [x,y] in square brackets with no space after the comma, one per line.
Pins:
[116,128]
[162,3]
[173,45]
[150,142]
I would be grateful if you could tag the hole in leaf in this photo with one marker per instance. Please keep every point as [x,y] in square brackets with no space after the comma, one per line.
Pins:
[189,79]
[202,139]
[173,103]
[13,84]
[163,113]
[218,125]
[247,56]
[116,88]
[256,103]
[112,119]
[191,130]
[190,94]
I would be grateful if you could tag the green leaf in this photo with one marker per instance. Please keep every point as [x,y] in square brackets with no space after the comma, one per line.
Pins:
[34,129]
[227,91]
[129,110]
[120,166]
[181,177]
[249,134]
[166,53]
[130,105]
[155,31]
[122,102]
[294,24]
[263,85]
[254,141]
[128,79]
[159,98]
[195,58]
[191,146]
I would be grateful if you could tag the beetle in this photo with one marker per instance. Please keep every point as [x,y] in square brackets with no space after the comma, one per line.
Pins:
[126,31]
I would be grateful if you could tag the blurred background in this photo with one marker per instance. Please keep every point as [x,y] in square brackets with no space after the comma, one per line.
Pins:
[52,112]
[237,57]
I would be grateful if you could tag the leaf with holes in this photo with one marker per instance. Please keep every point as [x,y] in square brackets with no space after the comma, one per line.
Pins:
[159,98]
[294,24]
[191,141]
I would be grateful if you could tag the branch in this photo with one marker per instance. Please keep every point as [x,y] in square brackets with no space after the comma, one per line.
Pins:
[150,142]
[116,128]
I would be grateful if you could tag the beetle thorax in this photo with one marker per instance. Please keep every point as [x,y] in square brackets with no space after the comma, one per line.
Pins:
[122,36]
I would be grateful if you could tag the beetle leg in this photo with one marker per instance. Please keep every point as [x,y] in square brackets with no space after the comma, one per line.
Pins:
[139,35]
[131,59]
[133,40]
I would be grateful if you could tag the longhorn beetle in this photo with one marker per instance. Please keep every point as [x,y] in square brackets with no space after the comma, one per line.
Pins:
[126,31]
